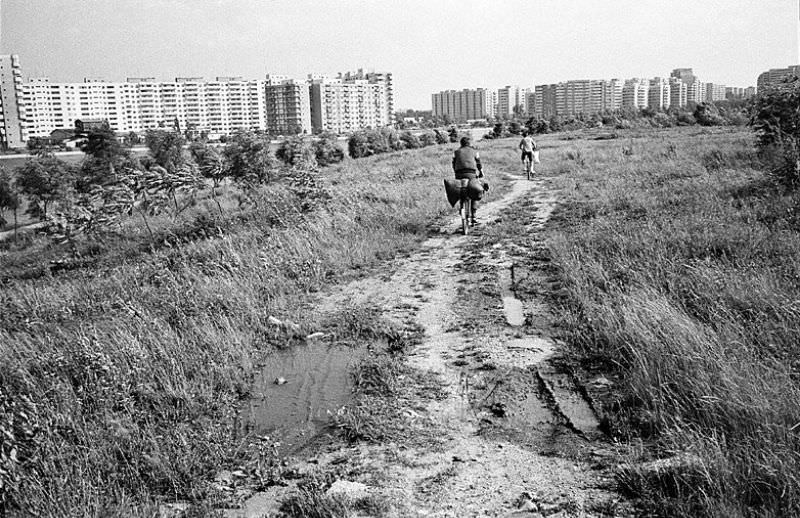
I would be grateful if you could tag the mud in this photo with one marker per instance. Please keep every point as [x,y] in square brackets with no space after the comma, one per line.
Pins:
[297,392]
[510,426]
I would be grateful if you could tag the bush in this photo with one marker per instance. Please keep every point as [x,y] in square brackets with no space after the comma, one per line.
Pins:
[327,149]
[296,150]
[410,141]
[776,120]
[706,114]
[441,137]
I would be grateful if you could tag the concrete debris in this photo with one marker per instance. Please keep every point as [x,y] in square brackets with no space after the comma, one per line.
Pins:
[280,381]
[349,490]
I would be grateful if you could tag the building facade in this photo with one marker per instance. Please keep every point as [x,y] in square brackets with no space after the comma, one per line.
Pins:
[659,94]
[346,105]
[715,92]
[635,93]
[775,75]
[11,129]
[585,97]
[463,105]
[678,93]
[288,106]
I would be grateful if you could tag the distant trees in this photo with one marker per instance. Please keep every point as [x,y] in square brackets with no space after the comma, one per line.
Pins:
[373,142]
[44,180]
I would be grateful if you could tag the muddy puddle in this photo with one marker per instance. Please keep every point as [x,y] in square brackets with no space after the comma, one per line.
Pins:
[297,392]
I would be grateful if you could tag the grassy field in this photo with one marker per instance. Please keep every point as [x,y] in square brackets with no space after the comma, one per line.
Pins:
[681,281]
[121,367]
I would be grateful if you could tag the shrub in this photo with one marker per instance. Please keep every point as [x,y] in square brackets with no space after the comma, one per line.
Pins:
[427,139]
[410,141]
[327,149]
[776,120]
[296,150]
[441,137]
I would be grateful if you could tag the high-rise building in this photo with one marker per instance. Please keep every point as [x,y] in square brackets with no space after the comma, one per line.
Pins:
[735,92]
[774,75]
[463,105]
[684,74]
[383,78]
[715,92]
[288,106]
[218,107]
[635,93]
[11,127]
[345,105]
[511,100]
[696,92]
[659,94]
[678,92]
[577,97]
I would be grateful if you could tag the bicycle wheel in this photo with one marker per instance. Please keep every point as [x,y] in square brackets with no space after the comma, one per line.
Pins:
[466,207]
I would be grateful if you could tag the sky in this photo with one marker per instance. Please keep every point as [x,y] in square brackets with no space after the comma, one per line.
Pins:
[428,45]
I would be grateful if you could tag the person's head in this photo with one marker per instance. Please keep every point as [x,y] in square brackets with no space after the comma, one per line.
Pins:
[466,141]
[524,133]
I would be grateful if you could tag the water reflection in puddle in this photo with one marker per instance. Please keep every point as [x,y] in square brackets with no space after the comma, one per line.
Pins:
[318,383]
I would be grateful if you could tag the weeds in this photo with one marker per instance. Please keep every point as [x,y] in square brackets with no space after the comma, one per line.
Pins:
[682,278]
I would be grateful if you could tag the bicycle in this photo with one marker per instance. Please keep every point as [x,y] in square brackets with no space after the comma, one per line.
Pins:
[528,163]
[465,208]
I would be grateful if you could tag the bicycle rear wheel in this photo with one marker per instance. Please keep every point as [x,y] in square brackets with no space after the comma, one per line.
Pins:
[466,213]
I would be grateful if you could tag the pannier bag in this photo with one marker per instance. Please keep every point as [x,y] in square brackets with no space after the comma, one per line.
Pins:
[474,187]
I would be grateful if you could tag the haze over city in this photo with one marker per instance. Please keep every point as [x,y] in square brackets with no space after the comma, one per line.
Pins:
[428,46]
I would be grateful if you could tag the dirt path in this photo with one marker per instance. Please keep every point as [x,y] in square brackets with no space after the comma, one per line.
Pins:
[508,435]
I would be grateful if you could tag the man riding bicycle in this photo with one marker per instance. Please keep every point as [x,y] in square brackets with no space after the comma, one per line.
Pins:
[467,166]
[528,146]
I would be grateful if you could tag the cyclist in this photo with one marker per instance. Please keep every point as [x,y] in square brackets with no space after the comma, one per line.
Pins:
[467,165]
[528,146]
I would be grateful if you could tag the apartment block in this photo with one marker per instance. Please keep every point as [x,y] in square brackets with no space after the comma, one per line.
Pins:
[382,78]
[11,128]
[734,92]
[288,106]
[345,105]
[218,107]
[635,93]
[463,105]
[678,93]
[577,97]
[511,100]
[715,92]
[659,94]
[775,75]
[696,92]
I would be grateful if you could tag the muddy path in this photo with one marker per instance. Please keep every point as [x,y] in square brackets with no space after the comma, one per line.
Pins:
[505,433]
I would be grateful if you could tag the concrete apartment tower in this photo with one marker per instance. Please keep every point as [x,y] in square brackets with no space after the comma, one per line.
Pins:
[288,105]
[463,105]
[659,94]
[11,119]
[774,75]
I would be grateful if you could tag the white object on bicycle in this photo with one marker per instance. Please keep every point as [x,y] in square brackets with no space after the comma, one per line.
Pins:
[536,157]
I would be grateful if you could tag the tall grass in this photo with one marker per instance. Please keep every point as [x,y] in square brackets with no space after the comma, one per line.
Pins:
[680,263]
[119,377]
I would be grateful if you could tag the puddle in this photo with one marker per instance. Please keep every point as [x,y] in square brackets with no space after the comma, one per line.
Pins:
[318,383]
[512,306]
[570,403]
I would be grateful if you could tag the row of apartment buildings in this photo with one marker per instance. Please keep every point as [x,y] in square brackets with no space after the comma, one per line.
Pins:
[587,96]
[277,104]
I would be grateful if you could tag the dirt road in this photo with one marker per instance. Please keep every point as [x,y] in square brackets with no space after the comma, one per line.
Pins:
[506,434]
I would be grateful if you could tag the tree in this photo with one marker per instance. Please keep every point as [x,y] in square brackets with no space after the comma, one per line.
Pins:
[706,114]
[166,148]
[296,150]
[248,157]
[9,198]
[327,149]
[45,180]
[104,156]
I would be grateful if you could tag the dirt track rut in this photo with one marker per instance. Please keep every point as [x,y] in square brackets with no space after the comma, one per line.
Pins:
[515,438]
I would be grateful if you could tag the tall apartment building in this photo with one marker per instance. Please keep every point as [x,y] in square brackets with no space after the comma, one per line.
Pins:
[288,105]
[635,93]
[774,75]
[345,105]
[384,78]
[659,93]
[734,92]
[463,105]
[11,128]
[715,92]
[218,107]
[678,92]
[684,74]
[696,92]
[511,100]
[577,97]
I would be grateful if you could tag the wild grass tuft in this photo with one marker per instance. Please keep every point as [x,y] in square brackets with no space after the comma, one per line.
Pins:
[681,276]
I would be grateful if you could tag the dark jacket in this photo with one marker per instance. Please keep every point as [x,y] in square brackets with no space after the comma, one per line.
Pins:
[466,160]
